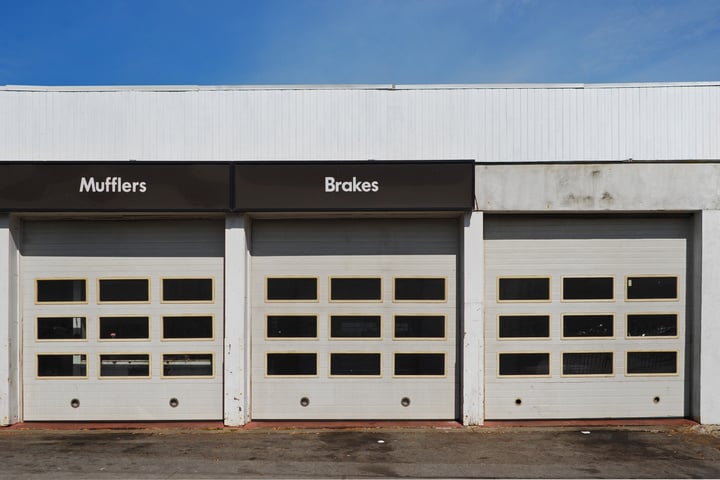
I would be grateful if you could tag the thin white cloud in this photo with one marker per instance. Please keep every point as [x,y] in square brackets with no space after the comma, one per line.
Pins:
[358,41]
[636,35]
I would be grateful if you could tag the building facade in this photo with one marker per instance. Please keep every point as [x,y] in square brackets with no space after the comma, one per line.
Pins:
[462,252]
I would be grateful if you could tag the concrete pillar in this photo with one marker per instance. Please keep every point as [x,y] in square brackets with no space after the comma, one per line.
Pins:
[708,320]
[236,347]
[472,280]
[9,322]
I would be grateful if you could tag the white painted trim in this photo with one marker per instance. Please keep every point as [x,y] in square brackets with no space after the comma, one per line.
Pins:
[473,272]
[709,337]
[236,404]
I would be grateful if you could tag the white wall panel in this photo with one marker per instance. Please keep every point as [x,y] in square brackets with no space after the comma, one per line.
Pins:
[484,123]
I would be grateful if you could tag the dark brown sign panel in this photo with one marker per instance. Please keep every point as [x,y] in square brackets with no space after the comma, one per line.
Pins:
[267,186]
[114,187]
[347,186]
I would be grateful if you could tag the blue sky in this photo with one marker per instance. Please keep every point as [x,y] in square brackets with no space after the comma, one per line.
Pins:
[224,42]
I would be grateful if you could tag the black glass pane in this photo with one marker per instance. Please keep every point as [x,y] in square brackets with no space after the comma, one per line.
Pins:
[420,364]
[355,364]
[188,364]
[61,328]
[295,288]
[188,327]
[651,362]
[588,288]
[355,326]
[118,328]
[524,326]
[420,289]
[652,325]
[419,326]
[124,365]
[187,289]
[61,290]
[355,289]
[524,364]
[588,363]
[588,326]
[291,364]
[291,326]
[67,365]
[648,288]
[524,289]
[124,290]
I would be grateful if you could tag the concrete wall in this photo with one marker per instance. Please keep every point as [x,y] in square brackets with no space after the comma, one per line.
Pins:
[9,322]
[625,187]
[709,335]
[472,280]
[236,372]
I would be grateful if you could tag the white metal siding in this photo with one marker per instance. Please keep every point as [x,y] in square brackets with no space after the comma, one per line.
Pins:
[584,247]
[111,249]
[484,123]
[373,248]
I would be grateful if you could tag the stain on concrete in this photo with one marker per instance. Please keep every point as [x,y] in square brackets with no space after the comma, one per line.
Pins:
[573,200]
[675,452]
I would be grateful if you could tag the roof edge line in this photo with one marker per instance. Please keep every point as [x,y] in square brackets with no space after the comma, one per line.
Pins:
[459,86]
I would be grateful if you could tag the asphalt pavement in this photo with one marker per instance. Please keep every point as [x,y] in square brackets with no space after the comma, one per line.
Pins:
[517,452]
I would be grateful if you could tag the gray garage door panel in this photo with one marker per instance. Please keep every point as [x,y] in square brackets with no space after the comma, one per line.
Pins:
[163,367]
[616,373]
[378,249]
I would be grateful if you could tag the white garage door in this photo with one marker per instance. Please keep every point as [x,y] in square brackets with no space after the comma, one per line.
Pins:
[354,319]
[585,318]
[122,320]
